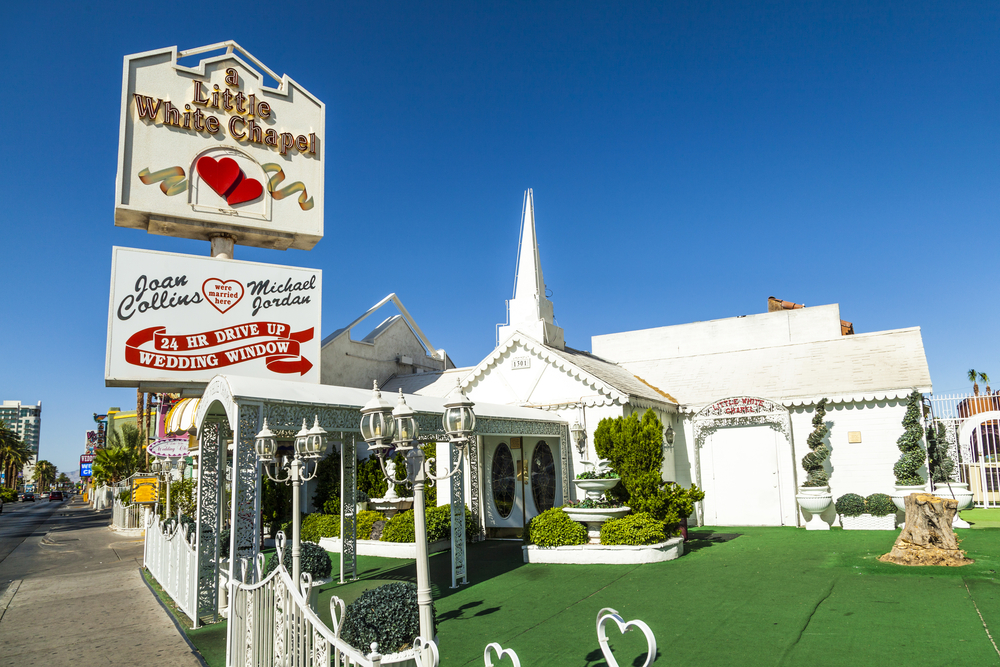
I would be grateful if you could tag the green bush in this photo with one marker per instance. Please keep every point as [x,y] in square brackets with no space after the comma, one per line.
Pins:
[554,528]
[400,528]
[635,449]
[317,525]
[850,504]
[8,496]
[941,466]
[879,504]
[125,497]
[327,483]
[633,530]
[366,520]
[388,615]
[312,559]
[813,461]
[331,506]
[907,468]
[439,523]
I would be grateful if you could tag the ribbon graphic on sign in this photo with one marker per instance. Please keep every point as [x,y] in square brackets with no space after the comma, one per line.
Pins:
[281,353]
[172,180]
[305,201]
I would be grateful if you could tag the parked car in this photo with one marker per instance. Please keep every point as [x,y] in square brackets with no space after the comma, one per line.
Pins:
[55,495]
[29,497]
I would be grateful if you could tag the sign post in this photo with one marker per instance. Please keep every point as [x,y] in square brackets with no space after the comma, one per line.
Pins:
[145,490]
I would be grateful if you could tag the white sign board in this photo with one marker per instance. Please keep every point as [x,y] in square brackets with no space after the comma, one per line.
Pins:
[176,321]
[219,148]
[170,447]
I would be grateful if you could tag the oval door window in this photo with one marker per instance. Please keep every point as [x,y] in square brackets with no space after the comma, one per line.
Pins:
[543,477]
[502,480]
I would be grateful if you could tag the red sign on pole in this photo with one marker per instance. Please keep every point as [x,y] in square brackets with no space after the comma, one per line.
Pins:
[86,458]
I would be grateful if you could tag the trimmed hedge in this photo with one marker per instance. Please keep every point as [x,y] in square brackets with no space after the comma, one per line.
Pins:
[554,528]
[850,504]
[633,530]
[317,525]
[388,615]
[438,521]
[400,528]
[366,520]
[879,504]
[312,558]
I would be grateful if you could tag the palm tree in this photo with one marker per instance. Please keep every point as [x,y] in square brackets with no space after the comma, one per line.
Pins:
[45,473]
[982,377]
[122,458]
[13,455]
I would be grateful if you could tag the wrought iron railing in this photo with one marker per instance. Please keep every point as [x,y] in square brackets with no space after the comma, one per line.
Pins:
[171,557]
[271,623]
[972,429]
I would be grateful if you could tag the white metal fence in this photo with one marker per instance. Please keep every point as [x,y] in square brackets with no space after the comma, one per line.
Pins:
[102,497]
[271,623]
[972,429]
[171,557]
[127,517]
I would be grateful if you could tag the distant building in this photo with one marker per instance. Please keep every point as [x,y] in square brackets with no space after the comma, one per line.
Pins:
[26,421]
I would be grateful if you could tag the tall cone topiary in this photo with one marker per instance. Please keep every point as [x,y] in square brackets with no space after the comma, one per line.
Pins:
[939,463]
[908,465]
[813,461]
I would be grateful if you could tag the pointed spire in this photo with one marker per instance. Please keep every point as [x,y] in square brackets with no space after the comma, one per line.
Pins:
[530,312]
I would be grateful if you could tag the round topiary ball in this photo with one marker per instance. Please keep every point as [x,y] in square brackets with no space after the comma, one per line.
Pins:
[388,615]
[879,504]
[850,504]
[554,528]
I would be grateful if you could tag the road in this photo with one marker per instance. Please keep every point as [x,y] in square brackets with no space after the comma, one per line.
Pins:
[71,592]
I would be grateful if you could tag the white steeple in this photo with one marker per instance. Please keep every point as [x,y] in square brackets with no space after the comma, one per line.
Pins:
[529,311]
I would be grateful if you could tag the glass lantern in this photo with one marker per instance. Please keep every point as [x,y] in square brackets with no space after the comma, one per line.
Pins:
[300,439]
[266,445]
[315,440]
[377,425]
[459,420]
[405,425]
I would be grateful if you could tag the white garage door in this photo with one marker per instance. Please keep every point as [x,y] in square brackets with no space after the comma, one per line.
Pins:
[744,489]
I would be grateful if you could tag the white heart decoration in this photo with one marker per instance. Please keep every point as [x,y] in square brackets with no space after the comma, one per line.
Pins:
[500,653]
[606,614]
[337,610]
[422,645]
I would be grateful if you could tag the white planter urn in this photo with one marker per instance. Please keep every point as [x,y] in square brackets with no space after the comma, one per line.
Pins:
[960,491]
[815,500]
[900,494]
[595,488]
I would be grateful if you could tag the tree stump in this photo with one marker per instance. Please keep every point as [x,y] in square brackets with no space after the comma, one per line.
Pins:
[927,537]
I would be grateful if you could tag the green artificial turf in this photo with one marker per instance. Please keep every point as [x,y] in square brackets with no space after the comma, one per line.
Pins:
[747,596]
[982,518]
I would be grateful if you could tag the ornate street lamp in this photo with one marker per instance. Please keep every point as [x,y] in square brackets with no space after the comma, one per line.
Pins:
[309,447]
[163,467]
[380,422]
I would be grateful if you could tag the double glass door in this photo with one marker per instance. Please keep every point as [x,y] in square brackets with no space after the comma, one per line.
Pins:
[522,480]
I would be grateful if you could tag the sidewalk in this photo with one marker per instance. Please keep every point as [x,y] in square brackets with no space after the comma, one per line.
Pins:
[72,593]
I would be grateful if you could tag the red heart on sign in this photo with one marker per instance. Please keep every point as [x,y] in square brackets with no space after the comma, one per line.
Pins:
[247,190]
[220,175]
[223,294]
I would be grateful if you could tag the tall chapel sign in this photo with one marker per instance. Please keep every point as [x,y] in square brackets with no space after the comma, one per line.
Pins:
[225,146]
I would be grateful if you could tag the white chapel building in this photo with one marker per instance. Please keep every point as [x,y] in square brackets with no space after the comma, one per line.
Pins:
[736,397]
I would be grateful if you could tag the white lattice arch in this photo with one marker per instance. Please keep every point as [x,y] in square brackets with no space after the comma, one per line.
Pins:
[740,411]
[217,391]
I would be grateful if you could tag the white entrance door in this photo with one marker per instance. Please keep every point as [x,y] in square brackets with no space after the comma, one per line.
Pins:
[741,475]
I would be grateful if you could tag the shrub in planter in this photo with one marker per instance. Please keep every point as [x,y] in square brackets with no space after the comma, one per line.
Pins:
[400,528]
[317,525]
[312,559]
[907,468]
[813,461]
[554,528]
[366,520]
[879,504]
[851,504]
[388,615]
[632,530]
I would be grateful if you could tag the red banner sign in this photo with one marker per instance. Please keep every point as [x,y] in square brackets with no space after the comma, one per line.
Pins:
[280,351]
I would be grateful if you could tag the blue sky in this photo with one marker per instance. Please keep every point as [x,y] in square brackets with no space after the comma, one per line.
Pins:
[688,160]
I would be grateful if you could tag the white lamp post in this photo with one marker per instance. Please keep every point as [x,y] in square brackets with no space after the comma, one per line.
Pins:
[164,468]
[309,447]
[380,423]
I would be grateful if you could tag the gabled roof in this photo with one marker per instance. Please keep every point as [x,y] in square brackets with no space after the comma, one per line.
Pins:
[435,383]
[404,313]
[610,382]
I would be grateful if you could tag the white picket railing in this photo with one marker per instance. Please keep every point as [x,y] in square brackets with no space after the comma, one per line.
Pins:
[271,623]
[972,428]
[171,557]
[102,497]
[127,517]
